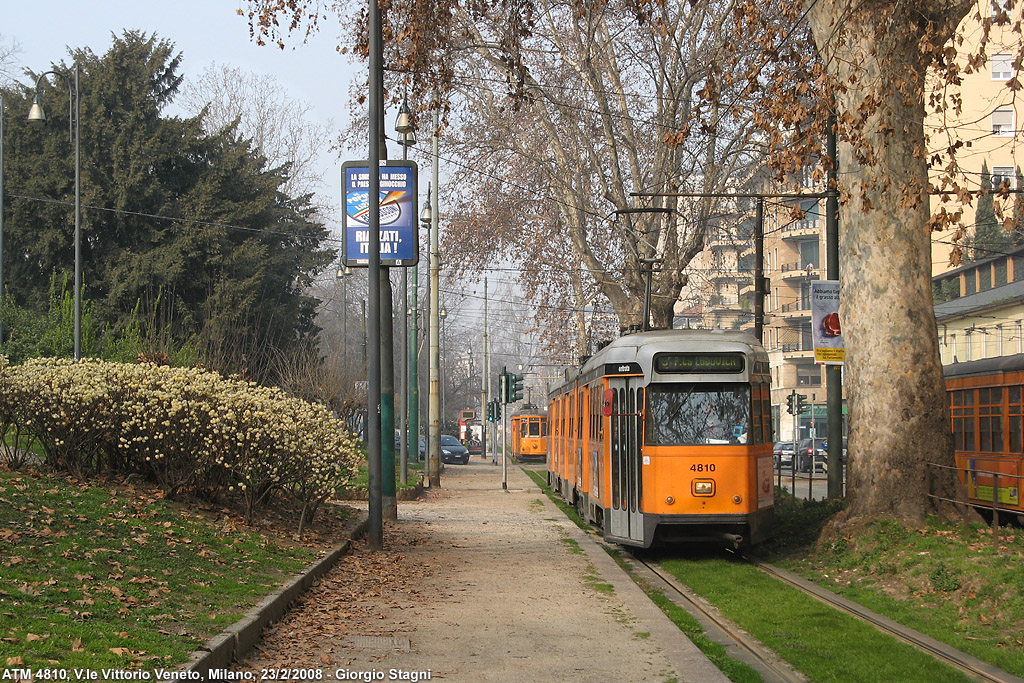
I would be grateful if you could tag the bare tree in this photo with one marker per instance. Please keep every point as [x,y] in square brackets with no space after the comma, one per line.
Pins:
[602,107]
[279,126]
[9,51]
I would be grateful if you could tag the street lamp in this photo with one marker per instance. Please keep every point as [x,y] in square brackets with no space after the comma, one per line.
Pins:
[406,138]
[343,274]
[444,361]
[35,114]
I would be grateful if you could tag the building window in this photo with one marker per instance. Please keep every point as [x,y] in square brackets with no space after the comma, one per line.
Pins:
[808,375]
[1002,67]
[1002,123]
[1003,174]
[809,258]
[970,283]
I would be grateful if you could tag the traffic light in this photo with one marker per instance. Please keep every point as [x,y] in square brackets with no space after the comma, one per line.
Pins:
[503,385]
[789,403]
[515,387]
[496,406]
[492,410]
[801,404]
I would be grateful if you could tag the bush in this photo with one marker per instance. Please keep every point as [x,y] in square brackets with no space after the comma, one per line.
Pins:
[190,430]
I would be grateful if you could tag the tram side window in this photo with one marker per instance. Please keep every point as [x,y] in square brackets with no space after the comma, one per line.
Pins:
[583,410]
[963,420]
[766,413]
[1014,418]
[690,414]
[990,420]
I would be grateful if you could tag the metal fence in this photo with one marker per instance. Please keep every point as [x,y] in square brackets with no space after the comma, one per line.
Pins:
[982,486]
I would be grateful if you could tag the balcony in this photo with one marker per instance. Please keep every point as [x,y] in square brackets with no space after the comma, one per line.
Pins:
[794,271]
[795,311]
[801,230]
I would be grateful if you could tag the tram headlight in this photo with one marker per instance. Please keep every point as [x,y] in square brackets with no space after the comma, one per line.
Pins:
[703,487]
[670,500]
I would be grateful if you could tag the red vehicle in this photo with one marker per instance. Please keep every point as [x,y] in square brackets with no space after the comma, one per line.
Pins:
[470,431]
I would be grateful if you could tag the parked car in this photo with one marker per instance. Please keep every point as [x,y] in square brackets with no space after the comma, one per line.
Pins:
[783,453]
[807,450]
[453,451]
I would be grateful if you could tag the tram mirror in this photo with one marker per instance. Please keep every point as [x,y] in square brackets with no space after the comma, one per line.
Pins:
[606,404]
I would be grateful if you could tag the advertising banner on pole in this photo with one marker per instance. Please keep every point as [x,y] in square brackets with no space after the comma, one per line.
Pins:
[399,230]
[825,330]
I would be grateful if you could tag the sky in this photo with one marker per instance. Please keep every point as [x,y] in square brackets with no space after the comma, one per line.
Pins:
[204,32]
[207,32]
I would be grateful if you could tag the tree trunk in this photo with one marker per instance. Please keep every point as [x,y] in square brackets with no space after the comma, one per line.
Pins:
[899,414]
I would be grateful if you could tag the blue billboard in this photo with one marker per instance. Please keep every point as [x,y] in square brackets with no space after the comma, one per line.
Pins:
[399,233]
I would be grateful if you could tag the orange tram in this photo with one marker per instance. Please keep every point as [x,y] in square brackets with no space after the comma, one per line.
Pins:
[665,437]
[529,429]
[986,400]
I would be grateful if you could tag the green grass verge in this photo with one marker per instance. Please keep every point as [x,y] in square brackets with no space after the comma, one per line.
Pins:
[91,577]
[817,640]
[951,583]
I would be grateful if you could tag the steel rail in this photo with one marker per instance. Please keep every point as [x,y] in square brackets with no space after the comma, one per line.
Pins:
[949,655]
[742,646]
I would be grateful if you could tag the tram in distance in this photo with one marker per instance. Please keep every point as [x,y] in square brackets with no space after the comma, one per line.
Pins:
[529,429]
[986,401]
[665,437]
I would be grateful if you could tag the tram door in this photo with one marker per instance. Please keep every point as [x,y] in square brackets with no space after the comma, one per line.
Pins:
[626,516]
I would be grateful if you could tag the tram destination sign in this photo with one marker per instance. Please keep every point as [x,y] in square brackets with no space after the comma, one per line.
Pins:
[399,234]
[699,363]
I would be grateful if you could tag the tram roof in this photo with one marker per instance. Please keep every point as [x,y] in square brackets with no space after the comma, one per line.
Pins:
[640,347]
[986,366]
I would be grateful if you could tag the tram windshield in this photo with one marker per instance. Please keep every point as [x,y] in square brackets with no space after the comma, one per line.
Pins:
[681,414]
[535,426]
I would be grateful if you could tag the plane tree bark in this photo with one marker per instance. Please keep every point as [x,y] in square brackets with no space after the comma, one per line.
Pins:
[878,55]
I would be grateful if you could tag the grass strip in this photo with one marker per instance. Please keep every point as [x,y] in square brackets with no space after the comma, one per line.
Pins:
[949,582]
[101,578]
[824,644]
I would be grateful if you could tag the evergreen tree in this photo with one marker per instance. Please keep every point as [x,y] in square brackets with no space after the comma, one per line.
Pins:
[188,232]
[989,237]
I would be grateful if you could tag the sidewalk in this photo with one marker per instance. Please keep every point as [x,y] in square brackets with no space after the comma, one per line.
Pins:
[480,584]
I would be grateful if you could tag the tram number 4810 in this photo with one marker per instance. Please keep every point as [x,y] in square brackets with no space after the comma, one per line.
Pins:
[699,467]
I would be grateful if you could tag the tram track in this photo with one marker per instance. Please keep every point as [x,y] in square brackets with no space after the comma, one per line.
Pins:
[970,665]
[745,648]
[739,644]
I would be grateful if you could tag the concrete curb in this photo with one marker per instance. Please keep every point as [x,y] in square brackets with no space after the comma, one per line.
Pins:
[241,637]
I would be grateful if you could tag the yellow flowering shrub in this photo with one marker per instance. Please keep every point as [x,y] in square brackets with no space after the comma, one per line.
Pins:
[190,430]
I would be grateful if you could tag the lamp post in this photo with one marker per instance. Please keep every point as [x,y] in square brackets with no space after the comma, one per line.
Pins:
[1,220]
[433,407]
[406,138]
[343,275]
[444,360]
[414,372]
[35,114]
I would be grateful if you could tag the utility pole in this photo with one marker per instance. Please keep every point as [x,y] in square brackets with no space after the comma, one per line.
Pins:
[833,373]
[375,532]
[484,372]
[433,408]
[759,279]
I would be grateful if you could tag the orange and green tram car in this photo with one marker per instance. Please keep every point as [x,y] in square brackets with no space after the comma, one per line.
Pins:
[665,437]
[529,430]
[986,401]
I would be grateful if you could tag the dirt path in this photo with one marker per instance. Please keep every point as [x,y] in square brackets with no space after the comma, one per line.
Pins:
[480,584]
